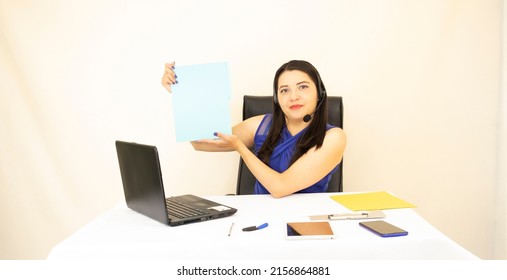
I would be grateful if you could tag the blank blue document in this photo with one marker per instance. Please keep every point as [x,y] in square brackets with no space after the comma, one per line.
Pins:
[201,101]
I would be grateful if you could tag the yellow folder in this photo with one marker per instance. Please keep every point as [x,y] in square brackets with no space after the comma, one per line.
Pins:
[371,201]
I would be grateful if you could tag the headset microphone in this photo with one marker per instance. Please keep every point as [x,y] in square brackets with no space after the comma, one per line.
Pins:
[308,117]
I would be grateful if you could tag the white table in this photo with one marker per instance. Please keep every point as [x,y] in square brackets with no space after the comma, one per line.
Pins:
[124,234]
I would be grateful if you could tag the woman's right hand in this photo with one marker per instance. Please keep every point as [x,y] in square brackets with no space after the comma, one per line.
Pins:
[169,78]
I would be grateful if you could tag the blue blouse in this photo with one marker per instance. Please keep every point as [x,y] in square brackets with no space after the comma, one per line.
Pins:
[282,154]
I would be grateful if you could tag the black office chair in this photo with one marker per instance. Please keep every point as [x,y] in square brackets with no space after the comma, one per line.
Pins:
[259,105]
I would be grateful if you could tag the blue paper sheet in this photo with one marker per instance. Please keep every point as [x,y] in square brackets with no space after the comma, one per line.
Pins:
[201,101]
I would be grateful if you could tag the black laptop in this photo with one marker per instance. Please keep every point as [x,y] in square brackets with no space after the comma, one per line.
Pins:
[144,191]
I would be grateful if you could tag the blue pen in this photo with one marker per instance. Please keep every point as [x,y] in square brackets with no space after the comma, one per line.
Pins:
[252,228]
[262,226]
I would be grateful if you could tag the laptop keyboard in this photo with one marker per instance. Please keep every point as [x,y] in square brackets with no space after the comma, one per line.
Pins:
[181,210]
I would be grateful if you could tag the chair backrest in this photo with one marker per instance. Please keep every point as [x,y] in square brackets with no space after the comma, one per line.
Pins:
[260,105]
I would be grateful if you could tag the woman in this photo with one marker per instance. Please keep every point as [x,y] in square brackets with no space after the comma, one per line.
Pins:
[295,149]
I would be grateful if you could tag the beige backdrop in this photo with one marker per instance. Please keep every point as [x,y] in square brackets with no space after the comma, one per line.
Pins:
[421,83]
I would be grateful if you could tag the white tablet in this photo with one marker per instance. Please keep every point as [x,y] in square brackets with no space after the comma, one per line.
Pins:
[309,230]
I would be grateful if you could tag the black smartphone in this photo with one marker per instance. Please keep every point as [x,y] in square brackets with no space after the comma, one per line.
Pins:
[383,228]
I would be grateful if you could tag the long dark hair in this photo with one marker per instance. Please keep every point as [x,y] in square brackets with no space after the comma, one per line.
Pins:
[316,131]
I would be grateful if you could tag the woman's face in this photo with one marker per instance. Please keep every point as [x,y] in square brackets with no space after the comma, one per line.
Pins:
[297,94]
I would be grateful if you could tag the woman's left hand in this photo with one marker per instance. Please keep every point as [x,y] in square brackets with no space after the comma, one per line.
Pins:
[223,143]
[231,141]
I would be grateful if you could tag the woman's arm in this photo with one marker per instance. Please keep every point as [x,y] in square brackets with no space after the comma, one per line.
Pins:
[306,171]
